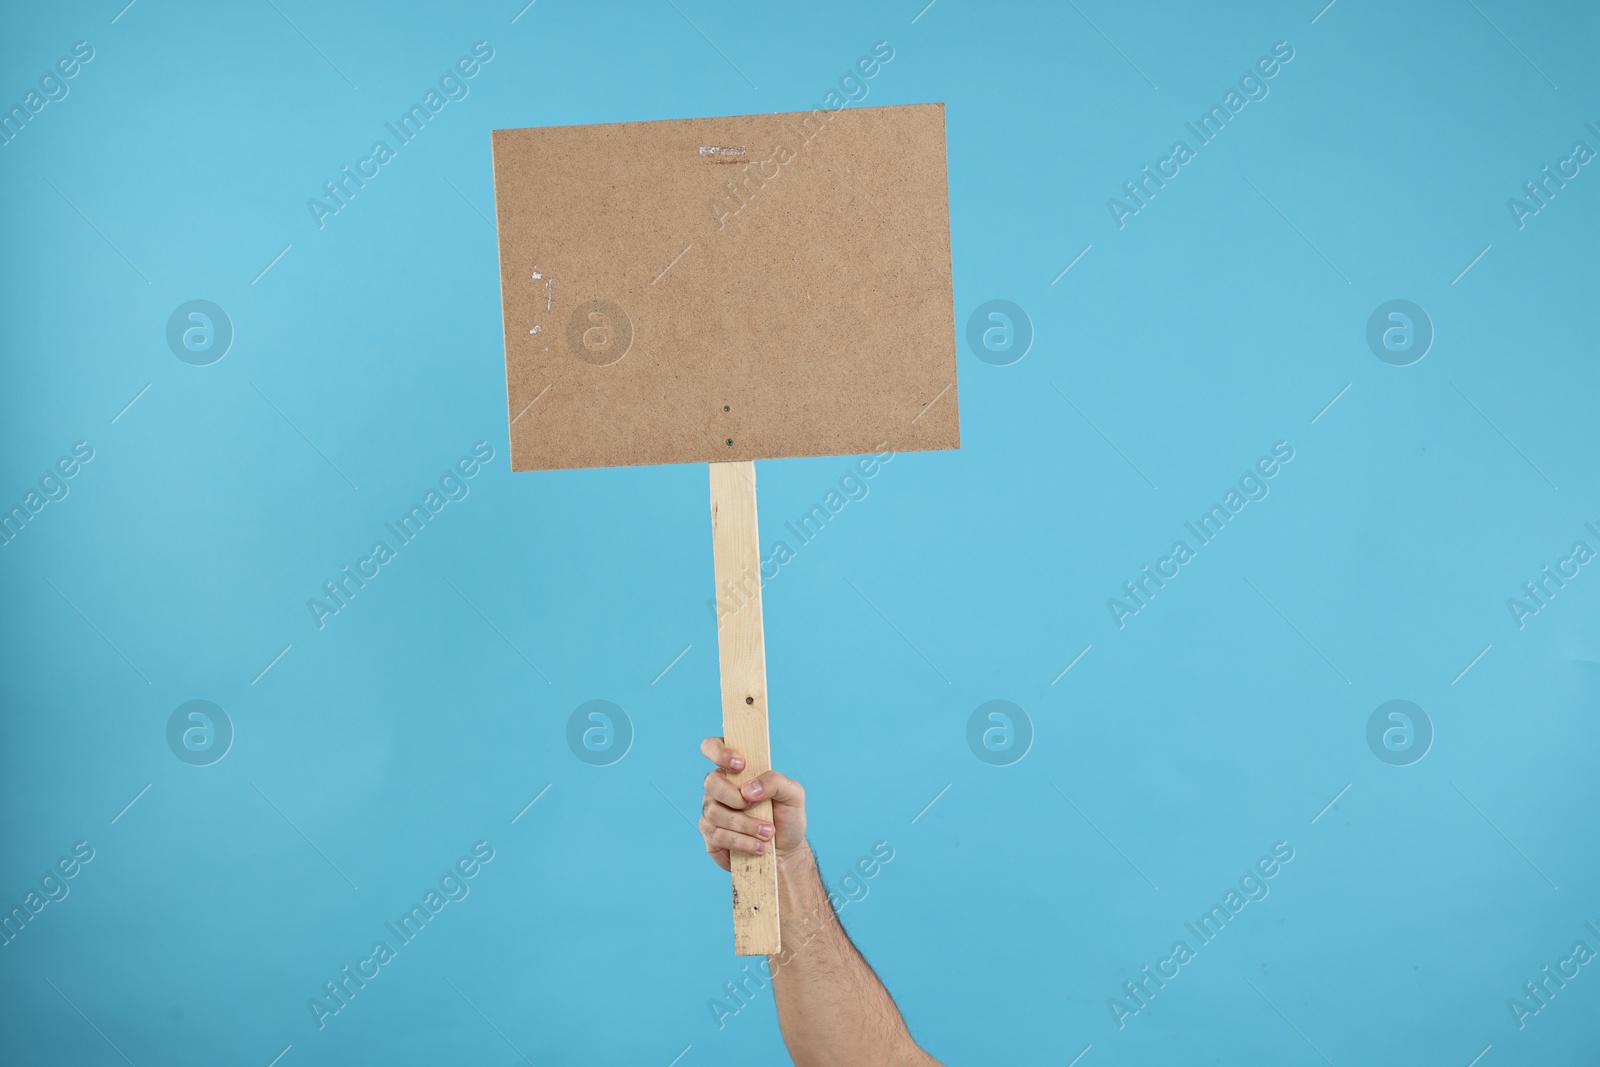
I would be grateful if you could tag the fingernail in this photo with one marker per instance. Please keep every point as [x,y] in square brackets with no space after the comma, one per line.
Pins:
[761,846]
[753,789]
[764,830]
[736,762]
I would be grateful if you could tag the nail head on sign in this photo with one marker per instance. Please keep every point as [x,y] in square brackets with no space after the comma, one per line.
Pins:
[749,700]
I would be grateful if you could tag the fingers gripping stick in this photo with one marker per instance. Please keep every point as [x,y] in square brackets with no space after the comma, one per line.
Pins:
[742,651]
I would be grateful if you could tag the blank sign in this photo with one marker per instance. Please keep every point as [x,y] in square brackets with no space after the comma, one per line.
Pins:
[707,290]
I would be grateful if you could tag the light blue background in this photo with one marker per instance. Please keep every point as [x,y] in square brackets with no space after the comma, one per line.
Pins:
[1221,719]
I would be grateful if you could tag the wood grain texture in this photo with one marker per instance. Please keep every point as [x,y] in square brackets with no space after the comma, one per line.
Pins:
[742,651]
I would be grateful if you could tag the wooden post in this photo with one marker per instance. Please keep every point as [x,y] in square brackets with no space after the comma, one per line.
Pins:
[736,553]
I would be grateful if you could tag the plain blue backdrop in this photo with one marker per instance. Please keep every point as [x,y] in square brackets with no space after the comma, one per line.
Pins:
[1229,313]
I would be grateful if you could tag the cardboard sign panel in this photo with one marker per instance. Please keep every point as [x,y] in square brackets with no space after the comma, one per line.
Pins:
[727,288]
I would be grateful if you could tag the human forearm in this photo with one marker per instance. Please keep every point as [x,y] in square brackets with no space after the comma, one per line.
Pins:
[831,1007]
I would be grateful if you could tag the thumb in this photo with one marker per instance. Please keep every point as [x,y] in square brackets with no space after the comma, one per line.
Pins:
[778,788]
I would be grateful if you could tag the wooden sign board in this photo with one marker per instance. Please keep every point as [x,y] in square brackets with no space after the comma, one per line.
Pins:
[780,281]
[723,290]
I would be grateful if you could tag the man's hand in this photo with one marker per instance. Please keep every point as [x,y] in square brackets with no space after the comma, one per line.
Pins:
[831,1006]
[723,822]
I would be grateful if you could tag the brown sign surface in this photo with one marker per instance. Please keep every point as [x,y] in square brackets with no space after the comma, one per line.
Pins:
[727,288]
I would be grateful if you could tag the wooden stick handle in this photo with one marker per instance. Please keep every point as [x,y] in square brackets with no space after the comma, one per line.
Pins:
[736,552]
